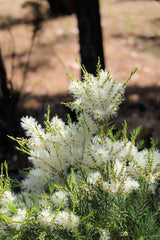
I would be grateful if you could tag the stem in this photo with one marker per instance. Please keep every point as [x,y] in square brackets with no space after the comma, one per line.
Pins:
[119,207]
[134,220]
[64,179]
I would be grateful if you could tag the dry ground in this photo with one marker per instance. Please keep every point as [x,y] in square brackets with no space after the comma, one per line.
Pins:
[131,38]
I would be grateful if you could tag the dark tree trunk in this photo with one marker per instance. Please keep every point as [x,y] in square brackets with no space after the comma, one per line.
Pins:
[89,24]
[9,125]
[61,7]
[90,34]
[3,79]
[51,5]
[9,100]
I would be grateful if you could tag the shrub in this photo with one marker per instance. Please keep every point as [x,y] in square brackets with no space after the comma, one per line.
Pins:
[88,181]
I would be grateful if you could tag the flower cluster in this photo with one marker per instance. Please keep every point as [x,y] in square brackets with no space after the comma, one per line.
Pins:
[99,96]
[87,182]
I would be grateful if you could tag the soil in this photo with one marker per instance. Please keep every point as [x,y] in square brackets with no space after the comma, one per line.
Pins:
[131,38]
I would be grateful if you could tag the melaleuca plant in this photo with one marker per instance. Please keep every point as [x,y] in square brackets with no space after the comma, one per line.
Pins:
[88,181]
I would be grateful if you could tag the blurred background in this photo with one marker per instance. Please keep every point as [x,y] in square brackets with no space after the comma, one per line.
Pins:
[39,42]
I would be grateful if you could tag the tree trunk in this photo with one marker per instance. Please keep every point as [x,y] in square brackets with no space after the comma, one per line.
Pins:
[3,79]
[51,5]
[90,34]
[61,7]
[9,99]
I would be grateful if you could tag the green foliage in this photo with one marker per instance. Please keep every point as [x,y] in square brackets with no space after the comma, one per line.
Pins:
[89,181]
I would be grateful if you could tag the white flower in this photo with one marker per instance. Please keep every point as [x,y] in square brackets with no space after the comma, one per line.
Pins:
[67,220]
[99,95]
[111,187]
[46,218]
[115,186]
[156,156]
[147,165]
[130,184]
[8,197]
[19,218]
[59,197]
[94,177]
[118,167]
[57,125]
[100,155]
[104,234]
[122,179]
[31,127]
[36,181]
